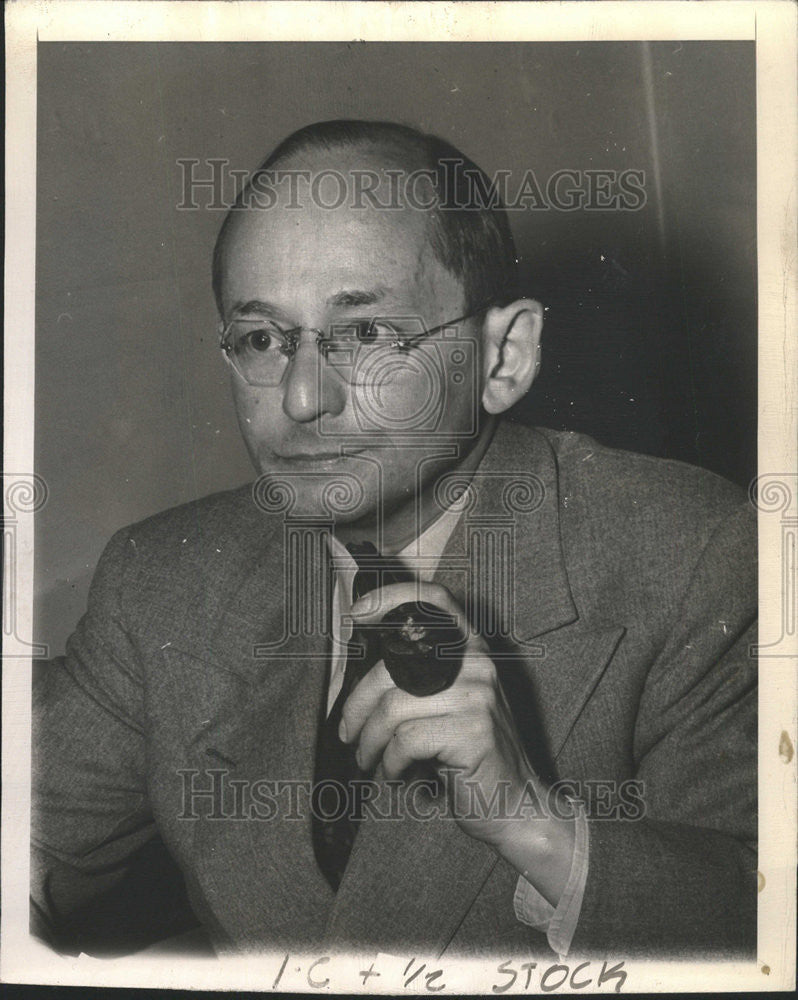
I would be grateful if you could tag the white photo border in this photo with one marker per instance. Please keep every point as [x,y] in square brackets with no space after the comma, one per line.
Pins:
[772,26]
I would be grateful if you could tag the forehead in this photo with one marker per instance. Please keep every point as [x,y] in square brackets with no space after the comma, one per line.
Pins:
[298,254]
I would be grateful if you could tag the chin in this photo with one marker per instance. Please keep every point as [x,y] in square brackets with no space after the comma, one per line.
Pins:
[335,494]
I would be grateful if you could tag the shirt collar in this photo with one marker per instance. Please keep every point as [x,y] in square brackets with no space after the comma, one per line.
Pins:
[422,554]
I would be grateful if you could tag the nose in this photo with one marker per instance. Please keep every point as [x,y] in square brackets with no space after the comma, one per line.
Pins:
[310,389]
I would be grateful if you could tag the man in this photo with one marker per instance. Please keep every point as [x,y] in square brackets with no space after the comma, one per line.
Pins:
[585,784]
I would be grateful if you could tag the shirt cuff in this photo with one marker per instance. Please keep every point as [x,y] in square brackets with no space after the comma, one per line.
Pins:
[534,910]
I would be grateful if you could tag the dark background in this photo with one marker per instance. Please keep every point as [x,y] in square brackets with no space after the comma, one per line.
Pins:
[650,336]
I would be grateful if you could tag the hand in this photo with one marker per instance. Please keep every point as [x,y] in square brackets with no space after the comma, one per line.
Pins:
[468,728]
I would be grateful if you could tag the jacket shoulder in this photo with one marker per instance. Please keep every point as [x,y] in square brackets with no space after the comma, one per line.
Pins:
[184,545]
[635,527]
[610,484]
[210,517]
[643,524]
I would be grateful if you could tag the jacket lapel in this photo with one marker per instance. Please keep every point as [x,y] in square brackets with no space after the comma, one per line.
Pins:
[252,709]
[549,660]
[409,881]
[414,882]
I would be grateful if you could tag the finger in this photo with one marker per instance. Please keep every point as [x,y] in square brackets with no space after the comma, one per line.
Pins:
[363,700]
[439,736]
[414,740]
[476,687]
[375,605]
[396,708]
[477,666]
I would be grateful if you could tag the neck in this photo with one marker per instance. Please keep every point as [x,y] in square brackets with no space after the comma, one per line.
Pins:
[408,520]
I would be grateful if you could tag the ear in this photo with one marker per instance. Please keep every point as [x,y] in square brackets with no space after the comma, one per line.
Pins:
[511,352]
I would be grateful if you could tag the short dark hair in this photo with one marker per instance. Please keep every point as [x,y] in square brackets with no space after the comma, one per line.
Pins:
[468,228]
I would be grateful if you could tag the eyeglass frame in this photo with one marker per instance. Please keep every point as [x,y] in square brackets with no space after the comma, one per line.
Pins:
[292,335]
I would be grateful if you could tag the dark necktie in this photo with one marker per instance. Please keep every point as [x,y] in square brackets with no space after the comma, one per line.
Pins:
[336,811]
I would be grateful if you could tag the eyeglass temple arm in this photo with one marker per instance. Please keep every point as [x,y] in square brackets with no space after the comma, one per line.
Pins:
[412,341]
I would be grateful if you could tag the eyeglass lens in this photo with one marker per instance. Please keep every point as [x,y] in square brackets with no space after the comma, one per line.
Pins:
[260,350]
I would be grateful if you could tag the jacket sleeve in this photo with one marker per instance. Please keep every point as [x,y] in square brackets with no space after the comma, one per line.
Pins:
[101,880]
[682,879]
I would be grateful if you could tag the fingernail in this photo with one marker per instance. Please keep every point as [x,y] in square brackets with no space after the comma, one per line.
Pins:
[342,732]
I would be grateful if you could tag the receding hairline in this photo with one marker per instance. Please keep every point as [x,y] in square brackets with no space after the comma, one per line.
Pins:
[397,155]
[409,152]
[459,239]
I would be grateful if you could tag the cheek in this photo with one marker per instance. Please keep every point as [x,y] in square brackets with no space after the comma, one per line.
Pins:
[401,394]
[255,411]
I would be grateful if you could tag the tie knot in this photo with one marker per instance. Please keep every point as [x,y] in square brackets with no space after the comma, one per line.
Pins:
[375,570]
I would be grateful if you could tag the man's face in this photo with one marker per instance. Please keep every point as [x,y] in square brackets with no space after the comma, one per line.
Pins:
[413,414]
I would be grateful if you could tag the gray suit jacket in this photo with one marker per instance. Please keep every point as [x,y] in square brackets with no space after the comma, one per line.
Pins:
[633,597]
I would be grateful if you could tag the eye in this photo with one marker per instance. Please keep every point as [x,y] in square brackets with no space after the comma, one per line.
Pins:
[376,330]
[367,331]
[249,337]
[259,340]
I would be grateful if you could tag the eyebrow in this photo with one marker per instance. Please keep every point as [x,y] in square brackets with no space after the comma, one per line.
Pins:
[257,307]
[349,297]
[358,297]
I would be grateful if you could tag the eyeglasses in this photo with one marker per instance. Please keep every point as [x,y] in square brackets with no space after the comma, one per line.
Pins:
[260,350]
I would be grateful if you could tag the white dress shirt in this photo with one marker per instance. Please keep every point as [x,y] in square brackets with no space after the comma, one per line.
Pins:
[422,556]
